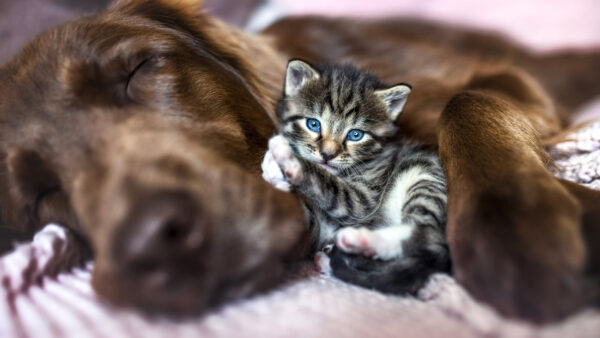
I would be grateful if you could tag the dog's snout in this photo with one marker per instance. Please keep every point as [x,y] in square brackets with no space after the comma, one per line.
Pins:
[157,249]
[161,230]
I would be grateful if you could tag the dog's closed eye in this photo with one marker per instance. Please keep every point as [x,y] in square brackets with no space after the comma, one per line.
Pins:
[134,72]
[122,80]
[138,79]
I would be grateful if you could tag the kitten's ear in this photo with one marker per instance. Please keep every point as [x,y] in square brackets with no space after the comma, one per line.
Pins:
[297,75]
[394,98]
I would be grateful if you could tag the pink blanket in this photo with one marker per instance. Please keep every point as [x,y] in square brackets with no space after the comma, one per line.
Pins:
[34,303]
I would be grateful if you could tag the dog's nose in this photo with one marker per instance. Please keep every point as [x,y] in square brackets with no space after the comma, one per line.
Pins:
[162,230]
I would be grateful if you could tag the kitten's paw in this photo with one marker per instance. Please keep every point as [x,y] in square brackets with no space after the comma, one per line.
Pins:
[356,241]
[322,263]
[282,153]
[273,174]
[375,244]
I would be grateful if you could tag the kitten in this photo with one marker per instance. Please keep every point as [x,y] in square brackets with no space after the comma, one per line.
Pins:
[381,204]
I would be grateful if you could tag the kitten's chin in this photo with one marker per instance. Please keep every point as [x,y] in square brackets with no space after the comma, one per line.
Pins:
[328,168]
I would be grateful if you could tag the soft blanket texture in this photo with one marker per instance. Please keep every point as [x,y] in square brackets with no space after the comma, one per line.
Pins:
[34,303]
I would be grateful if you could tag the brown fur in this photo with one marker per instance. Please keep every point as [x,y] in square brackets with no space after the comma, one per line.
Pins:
[160,172]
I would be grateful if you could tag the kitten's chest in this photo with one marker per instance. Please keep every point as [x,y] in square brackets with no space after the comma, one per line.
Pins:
[398,193]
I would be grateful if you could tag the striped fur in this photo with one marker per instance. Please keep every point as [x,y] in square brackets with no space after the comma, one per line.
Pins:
[391,194]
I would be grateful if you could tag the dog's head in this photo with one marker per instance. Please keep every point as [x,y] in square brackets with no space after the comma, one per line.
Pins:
[143,127]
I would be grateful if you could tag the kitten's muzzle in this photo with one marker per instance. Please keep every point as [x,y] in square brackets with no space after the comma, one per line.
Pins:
[329,150]
[327,157]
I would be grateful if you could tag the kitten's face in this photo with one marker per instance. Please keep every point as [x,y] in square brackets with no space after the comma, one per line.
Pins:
[334,118]
[321,131]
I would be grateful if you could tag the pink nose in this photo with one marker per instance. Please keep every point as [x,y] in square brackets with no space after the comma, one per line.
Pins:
[329,150]
[327,156]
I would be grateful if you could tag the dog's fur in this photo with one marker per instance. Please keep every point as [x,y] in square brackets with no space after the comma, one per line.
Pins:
[159,171]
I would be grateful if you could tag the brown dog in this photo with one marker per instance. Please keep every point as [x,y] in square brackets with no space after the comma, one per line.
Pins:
[142,129]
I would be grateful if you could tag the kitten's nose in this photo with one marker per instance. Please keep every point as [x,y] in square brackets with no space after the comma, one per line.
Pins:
[326,157]
[329,150]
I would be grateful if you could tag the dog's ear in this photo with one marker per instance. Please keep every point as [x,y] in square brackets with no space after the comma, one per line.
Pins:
[190,7]
[394,98]
[158,7]
[179,3]
[297,75]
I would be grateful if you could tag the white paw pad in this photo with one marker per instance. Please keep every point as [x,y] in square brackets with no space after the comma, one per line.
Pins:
[282,154]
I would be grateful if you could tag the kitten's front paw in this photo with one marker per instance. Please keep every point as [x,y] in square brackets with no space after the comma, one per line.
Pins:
[273,174]
[282,153]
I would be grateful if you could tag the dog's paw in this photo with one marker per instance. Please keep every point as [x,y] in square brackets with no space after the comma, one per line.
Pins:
[322,263]
[273,174]
[282,154]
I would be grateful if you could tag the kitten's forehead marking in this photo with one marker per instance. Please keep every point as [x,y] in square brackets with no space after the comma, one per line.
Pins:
[317,109]
[345,111]
[338,126]
[323,110]
[331,128]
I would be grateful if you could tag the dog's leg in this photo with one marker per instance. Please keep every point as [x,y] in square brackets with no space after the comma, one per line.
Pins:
[513,229]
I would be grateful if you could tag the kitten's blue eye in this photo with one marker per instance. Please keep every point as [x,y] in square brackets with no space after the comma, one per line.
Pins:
[355,135]
[313,125]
